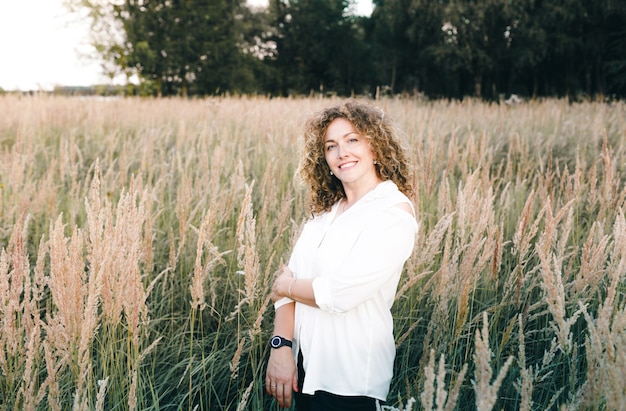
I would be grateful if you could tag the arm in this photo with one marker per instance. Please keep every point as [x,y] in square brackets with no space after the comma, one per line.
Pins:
[281,376]
[372,263]
[286,285]
[396,229]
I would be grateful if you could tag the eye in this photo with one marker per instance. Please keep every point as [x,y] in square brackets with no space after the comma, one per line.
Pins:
[353,140]
[330,147]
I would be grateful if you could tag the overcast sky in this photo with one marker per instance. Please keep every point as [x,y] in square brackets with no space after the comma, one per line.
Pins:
[41,46]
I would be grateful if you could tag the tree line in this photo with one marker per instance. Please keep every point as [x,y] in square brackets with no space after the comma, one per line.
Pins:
[437,48]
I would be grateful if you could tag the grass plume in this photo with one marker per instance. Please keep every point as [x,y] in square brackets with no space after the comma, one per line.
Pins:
[138,240]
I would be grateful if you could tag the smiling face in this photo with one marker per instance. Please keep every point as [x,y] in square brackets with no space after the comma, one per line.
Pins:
[349,155]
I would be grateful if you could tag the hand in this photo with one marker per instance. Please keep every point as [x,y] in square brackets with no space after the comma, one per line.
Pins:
[281,377]
[283,279]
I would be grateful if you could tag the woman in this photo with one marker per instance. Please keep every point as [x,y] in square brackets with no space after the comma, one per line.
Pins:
[333,331]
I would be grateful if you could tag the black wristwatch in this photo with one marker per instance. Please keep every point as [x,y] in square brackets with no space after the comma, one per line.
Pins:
[277,342]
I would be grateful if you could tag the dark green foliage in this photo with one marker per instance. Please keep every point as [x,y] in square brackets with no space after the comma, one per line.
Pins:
[486,48]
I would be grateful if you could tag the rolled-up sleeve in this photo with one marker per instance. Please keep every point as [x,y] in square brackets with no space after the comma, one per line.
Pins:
[375,259]
[281,302]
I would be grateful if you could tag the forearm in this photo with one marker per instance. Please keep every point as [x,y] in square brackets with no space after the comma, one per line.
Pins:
[281,375]
[284,321]
[287,285]
[301,290]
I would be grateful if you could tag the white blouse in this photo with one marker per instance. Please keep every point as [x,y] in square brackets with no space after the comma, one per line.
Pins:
[356,261]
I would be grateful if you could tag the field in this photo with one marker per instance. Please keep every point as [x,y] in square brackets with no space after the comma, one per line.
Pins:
[139,240]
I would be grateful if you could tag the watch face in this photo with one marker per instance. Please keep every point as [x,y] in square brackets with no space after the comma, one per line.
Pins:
[275,342]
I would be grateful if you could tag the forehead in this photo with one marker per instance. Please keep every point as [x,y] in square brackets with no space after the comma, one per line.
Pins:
[339,128]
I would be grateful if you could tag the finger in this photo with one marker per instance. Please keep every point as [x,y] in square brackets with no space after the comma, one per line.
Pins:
[294,383]
[287,396]
[271,388]
[268,385]
[281,396]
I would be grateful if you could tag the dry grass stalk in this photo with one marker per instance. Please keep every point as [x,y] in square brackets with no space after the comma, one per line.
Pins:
[8,343]
[428,250]
[443,400]
[147,250]
[102,390]
[442,292]
[101,249]
[68,287]
[444,200]
[428,392]
[497,234]
[243,403]
[524,234]
[525,381]
[286,207]
[522,241]
[595,254]
[256,326]
[271,201]
[28,391]
[53,366]
[45,145]
[610,183]
[71,328]
[552,284]
[114,253]
[552,281]
[89,327]
[132,391]
[197,282]
[214,185]
[486,392]
[116,242]
[400,340]
[477,241]
[183,209]
[39,278]
[234,362]
[14,295]
[606,341]
[130,217]
[173,258]
[247,257]
[454,394]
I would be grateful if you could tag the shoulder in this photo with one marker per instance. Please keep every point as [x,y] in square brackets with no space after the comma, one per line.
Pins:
[389,196]
[406,207]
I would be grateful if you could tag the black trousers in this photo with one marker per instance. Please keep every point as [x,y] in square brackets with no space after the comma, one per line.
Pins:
[326,401]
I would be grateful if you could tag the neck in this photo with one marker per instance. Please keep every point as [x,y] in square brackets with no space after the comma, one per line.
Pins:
[355,193]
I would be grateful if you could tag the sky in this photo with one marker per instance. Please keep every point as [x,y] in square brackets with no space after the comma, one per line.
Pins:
[43,46]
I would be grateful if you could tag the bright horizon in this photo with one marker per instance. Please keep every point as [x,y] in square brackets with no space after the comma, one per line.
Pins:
[43,46]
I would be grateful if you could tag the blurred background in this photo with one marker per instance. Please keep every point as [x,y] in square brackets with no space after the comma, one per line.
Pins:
[488,49]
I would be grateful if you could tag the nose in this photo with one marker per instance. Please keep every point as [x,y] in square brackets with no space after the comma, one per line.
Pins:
[341,151]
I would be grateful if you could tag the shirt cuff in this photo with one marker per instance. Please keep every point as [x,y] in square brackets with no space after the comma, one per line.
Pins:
[281,302]
[321,290]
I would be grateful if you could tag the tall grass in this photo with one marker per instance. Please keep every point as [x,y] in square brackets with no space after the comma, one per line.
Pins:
[139,239]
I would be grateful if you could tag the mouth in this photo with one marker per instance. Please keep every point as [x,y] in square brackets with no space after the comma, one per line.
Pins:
[346,166]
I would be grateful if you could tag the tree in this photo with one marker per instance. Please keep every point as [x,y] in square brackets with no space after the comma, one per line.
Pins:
[475,40]
[174,43]
[317,44]
[392,50]
[449,48]
[603,45]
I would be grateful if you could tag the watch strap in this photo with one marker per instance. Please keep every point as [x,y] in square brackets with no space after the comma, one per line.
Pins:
[277,341]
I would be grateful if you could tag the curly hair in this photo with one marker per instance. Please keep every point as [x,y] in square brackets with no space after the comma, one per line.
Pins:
[370,122]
